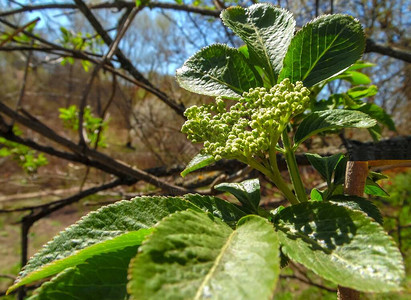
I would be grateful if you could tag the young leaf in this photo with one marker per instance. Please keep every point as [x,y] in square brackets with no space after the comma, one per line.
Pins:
[322,48]
[199,161]
[319,121]
[266,30]
[103,224]
[226,211]
[359,92]
[133,238]
[341,245]
[325,165]
[316,195]
[372,188]
[193,255]
[359,203]
[100,277]
[217,70]
[247,192]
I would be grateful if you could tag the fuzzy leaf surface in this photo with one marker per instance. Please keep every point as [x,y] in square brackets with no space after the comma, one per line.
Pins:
[103,224]
[194,255]
[133,238]
[266,30]
[341,245]
[319,121]
[100,277]
[217,70]
[322,48]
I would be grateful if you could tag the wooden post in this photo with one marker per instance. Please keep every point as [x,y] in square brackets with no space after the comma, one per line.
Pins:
[355,177]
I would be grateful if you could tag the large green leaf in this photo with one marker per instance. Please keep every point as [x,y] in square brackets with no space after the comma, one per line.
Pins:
[226,211]
[103,224]
[217,70]
[133,238]
[247,192]
[100,277]
[194,255]
[322,48]
[267,31]
[319,121]
[199,161]
[341,245]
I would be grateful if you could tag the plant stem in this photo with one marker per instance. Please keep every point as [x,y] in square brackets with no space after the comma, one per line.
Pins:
[293,169]
[275,176]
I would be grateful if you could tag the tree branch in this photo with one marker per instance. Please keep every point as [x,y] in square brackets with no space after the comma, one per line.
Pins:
[371,46]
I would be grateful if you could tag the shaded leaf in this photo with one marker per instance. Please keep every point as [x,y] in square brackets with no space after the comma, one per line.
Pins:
[100,277]
[266,30]
[325,165]
[322,48]
[359,203]
[217,70]
[341,245]
[247,192]
[193,255]
[199,161]
[226,211]
[319,121]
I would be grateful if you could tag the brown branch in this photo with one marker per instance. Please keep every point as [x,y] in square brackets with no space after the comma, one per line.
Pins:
[116,4]
[108,162]
[372,46]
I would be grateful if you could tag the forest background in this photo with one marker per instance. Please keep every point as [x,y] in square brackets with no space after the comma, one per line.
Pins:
[90,112]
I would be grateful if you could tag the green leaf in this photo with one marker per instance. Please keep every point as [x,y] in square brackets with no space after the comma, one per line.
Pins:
[319,121]
[361,65]
[103,224]
[226,211]
[360,92]
[193,255]
[133,238]
[359,203]
[199,161]
[316,195]
[372,188]
[339,175]
[322,48]
[217,70]
[100,277]
[341,245]
[354,77]
[378,113]
[266,30]
[247,192]
[324,165]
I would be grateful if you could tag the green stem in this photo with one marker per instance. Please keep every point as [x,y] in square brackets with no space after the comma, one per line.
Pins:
[275,176]
[293,169]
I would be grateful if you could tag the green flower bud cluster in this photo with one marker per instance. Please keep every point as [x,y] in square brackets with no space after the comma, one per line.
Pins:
[247,128]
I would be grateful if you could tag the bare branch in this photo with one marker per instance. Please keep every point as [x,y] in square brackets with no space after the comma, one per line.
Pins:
[371,46]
